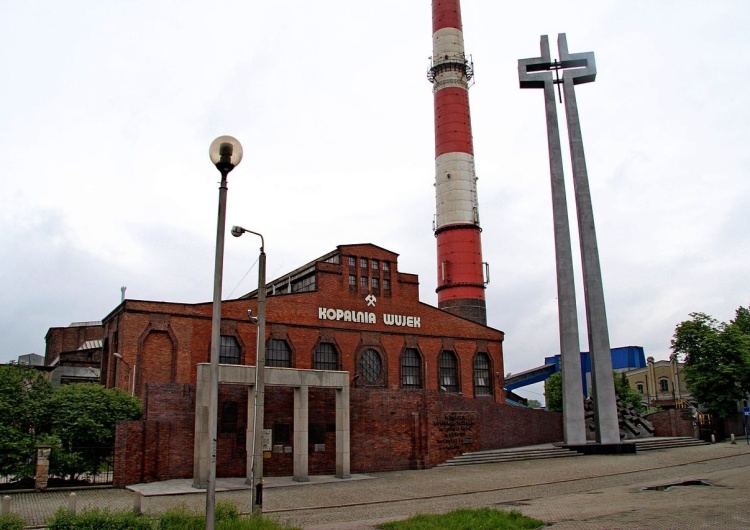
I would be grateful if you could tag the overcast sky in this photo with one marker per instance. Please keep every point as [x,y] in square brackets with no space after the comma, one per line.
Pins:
[108,109]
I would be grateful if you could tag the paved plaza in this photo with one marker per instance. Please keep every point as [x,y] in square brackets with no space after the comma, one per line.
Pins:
[592,492]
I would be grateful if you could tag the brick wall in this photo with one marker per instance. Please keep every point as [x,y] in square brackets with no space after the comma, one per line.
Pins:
[673,422]
[69,339]
[390,430]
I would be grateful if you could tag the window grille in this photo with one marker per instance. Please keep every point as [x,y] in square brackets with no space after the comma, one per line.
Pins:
[229,350]
[326,357]
[370,366]
[278,354]
[482,378]
[448,372]
[411,369]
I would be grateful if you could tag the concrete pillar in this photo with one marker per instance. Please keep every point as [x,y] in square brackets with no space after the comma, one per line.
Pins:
[602,380]
[42,467]
[574,423]
[250,435]
[200,462]
[675,369]
[342,432]
[72,503]
[301,435]
[651,380]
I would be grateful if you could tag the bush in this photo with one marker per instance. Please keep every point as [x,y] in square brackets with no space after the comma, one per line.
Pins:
[98,520]
[11,522]
[467,519]
[227,517]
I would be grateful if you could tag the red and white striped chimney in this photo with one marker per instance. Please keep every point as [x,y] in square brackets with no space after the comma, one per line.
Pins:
[461,281]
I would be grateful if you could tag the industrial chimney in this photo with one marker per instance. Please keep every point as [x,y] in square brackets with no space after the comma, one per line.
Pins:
[461,279]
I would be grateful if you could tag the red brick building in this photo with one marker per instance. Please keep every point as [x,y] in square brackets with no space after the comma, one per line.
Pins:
[425,384]
[74,353]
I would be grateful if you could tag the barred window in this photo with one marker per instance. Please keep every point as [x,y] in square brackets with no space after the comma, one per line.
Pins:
[411,369]
[229,350]
[448,372]
[278,354]
[482,378]
[326,357]
[370,366]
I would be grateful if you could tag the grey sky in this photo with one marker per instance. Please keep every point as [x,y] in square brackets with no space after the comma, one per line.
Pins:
[108,109]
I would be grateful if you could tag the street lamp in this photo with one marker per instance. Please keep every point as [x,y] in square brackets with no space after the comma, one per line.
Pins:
[226,154]
[131,382]
[256,478]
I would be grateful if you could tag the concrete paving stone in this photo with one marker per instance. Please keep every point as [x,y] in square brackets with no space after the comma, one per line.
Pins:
[592,492]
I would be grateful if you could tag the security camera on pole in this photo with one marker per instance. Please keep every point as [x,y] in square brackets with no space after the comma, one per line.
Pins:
[256,480]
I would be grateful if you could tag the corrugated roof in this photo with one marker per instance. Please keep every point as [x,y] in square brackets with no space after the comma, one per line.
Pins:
[91,345]
[82,324]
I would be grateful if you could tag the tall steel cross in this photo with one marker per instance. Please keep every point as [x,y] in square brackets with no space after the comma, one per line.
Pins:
[578,68]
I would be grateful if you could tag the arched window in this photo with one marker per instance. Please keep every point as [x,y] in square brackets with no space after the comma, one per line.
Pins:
[482,378]
[639,386]
[664,385]
[411,369]
[278,354]
[326,357]
[448,372]
[229,350]
[371,367]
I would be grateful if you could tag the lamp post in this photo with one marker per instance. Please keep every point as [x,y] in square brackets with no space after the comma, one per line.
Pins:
[226,154]
[256,480]
[131,382]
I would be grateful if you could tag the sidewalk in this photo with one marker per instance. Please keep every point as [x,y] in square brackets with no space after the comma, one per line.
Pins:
[591,492]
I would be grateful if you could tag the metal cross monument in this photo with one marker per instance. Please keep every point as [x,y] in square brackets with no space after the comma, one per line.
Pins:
[577,68]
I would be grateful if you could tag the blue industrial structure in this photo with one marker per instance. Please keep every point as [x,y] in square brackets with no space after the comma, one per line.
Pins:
[623,359]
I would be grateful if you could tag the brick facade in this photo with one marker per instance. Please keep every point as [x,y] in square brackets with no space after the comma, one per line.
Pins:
[355,301]
[390,430]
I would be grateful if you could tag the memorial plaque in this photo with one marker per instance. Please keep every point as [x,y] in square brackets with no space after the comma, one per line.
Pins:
[454,428]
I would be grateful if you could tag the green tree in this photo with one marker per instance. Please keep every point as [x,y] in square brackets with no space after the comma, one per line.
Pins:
[627,395]
[24,417]
[534,404]
[84,422]
[717,359]
[553,396]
